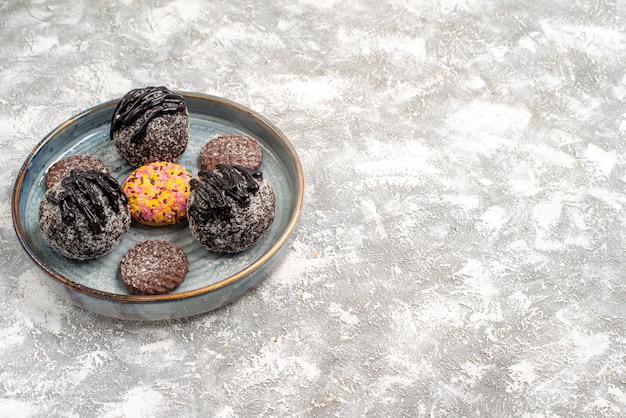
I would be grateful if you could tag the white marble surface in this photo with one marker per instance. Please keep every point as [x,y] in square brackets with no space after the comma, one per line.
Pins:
[461,250]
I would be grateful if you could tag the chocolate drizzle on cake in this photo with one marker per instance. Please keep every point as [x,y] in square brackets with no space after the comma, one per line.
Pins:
[236,181]
[78,195]
[147,104]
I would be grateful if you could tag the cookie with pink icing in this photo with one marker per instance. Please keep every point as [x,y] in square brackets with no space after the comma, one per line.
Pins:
[158,193]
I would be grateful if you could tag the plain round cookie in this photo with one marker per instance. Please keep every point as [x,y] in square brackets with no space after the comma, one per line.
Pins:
[62,168]
[157,193]
[233,150]
[230,208]
[150,124]
[85,215]
[153,267]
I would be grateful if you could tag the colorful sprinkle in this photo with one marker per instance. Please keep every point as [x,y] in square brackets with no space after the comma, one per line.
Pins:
[158,193]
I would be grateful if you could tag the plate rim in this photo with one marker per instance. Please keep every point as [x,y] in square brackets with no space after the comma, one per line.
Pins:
[146,299]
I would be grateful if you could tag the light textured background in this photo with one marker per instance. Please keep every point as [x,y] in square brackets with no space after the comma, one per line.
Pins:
[461,250]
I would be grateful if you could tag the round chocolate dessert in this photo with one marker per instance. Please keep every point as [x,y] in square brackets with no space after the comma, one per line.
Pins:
[61,169]
[230,208]
[153,268]
[231,149]
[85,215]
[150,124]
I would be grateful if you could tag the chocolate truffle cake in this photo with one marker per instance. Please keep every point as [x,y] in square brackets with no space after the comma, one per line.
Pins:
[230,208]
[150,124]
[85,215]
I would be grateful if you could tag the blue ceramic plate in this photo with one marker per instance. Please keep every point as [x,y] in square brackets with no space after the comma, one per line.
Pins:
[213,279]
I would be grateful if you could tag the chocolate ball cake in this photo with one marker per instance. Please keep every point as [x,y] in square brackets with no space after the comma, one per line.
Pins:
[230,208]
[62,168]
[85,215]
[153,267]
[150,124]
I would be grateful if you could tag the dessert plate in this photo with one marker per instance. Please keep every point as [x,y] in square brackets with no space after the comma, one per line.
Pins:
[214,279]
